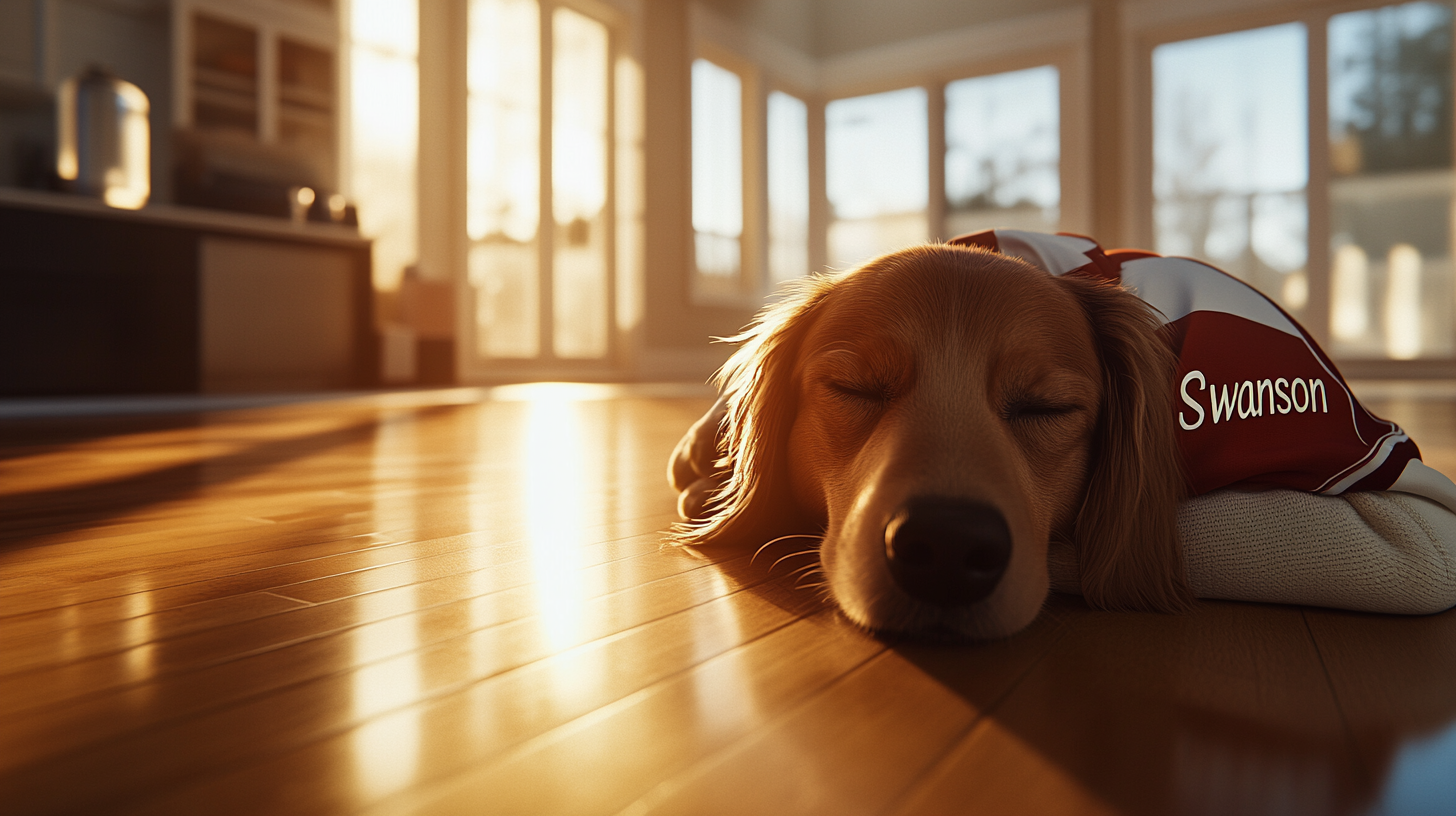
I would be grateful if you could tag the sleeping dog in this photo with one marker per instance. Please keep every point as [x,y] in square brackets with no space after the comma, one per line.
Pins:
[963,428]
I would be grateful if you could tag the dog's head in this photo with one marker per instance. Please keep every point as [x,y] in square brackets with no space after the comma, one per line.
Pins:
[943,415]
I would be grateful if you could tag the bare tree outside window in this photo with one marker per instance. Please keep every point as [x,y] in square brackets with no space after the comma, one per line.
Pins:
[1231,156]
[1003,152]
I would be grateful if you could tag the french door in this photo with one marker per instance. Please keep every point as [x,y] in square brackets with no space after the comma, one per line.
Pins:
[540,234]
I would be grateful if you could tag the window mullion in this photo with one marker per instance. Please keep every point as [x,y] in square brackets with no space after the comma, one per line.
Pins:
[935,203]
[1317,187]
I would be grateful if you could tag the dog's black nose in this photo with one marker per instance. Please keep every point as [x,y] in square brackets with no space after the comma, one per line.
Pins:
[947,552]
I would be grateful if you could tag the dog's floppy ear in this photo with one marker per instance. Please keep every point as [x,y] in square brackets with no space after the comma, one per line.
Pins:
[756,500]
[1126,532]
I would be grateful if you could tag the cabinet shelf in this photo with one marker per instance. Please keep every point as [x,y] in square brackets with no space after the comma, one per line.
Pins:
[225,80]
[266,73]
[301,96]
[225,98]
[308,117]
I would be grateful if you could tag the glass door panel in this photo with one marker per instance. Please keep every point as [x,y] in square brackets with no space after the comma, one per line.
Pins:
[580,274]
[503,204]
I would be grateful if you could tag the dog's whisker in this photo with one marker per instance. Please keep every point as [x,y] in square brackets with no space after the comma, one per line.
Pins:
[771,542]
[807,569]
[809,580]
[782,559]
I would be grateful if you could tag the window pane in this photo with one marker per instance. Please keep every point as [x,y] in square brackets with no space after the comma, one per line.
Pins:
[1390,195]
[503,174]
[387,25]
[878,173]
[717,168]
[1002,152]
[579,184]
[788,187]
[1231,156]
[385,112]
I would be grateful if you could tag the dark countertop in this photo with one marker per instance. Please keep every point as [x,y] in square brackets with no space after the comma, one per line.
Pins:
[216,221]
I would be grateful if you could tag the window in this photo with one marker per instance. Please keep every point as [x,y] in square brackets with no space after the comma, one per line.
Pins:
[788,187]
[1232,176]
[1390,104]
[1002,152]
[1231,156]
[385,113]
[717,171]
[877,174]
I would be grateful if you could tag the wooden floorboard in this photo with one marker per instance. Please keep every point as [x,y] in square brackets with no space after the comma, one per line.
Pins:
[416,603]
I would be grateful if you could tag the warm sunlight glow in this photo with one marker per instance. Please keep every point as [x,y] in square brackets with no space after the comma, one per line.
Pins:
[555,461]
[141,659]
[396,468]
[387,748]
[1403,303]
[390,25]
[724,695]
[115,458]
[1348,293]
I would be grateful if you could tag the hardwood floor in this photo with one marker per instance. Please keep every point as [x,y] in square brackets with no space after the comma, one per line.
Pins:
[428,603]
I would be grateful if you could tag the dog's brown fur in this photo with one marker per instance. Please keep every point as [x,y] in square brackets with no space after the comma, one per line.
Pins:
[951,372]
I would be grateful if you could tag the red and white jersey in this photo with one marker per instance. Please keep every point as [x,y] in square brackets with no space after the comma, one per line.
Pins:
[1258,403]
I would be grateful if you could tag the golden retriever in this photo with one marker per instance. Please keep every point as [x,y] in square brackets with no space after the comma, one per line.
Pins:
[946,420]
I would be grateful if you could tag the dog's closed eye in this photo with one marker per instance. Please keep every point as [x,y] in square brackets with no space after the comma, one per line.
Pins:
[866,390]
[1033,409]
[865,381]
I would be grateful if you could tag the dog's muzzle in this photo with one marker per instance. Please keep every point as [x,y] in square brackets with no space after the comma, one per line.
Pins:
[947,552]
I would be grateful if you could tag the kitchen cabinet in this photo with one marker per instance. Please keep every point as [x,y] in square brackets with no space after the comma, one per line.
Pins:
[95,300]
[261,71]
[18,40]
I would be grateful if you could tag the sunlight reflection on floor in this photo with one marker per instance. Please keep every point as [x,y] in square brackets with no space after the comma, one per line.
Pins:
[554,463]
[386,750]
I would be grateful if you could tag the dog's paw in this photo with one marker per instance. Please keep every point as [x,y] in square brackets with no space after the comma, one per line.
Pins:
[692,502]
[695,457]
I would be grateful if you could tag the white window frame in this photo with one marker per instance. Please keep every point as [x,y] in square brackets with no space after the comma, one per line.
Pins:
[1149,24]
